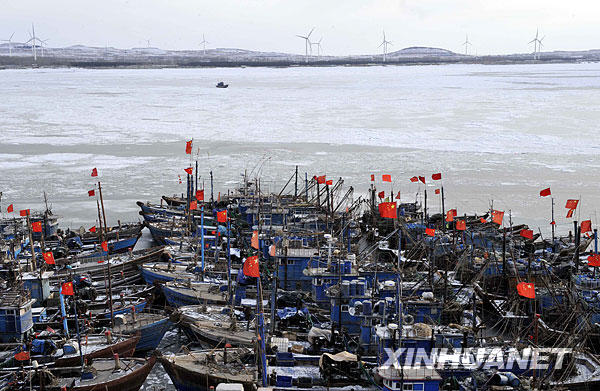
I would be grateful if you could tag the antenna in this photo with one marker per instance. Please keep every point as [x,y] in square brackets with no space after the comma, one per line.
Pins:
[466,45]
[203,43]
[384,43]
[306,43]
[148,42]
[9,44]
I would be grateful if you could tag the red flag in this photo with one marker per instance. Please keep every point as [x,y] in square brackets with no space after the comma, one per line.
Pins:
[189,170]
[188,147]
[91,193]
[570,213]
[422,179]
[251,268]
[526,289]
[527,234]
[430,231]
[398,195]
[414,179]
[22,356]
[24,212]
[388,210]
[10,208]
[94,172]
[386,178]
[49,258]
[329,182]
[553,223]
[93,229]
[545,192]
[461,225]
[497,217]
[381,194]
[104,246]
[572,204]
[586,226]
[372,177]
[321,179]
[254,240]
[67,288]
[200,195]
[594,260]
[437,177]
[193,205]
[450,216]
[437,191]
[483,220]
[36,226]
[222,216]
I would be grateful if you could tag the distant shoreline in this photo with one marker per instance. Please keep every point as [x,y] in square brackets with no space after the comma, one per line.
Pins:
[9,63]
[144,58]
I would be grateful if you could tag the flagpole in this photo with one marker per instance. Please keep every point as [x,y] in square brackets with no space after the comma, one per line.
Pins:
[553,223]
[33,263]
[202,236]
[443,210]
[229,259]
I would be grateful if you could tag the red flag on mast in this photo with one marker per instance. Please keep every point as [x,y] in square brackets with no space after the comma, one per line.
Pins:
[388,210]
[189,170]
[222,216]
[386,178]
[251,267]
[36,226]
[188,147]
[526,289]
[91,193]
[10,208]
[545,192]
[67,288]
[437,177]
[461,225]
[586,226]
[94,172]
[49,258]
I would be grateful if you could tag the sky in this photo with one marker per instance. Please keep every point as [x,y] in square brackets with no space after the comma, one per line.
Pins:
[345,26]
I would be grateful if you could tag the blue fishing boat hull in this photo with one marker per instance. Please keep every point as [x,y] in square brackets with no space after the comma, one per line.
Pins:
[151,335]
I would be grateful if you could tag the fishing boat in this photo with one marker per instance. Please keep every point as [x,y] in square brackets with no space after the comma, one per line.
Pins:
[116,374]
[222,85]
[150,325]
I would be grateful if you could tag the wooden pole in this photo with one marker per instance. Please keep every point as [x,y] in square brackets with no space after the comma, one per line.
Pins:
[102,204]
[33,263]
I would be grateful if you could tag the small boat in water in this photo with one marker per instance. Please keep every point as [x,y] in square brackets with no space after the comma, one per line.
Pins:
[222,85]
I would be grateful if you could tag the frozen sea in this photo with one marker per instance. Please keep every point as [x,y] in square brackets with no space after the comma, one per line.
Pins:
[496,133]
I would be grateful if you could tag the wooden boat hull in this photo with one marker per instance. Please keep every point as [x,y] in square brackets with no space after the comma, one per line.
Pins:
[131,382]
[187,380]
[124,348]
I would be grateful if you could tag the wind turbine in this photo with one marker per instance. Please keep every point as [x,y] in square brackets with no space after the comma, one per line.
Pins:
[537,44]
[384,43]
[318,45]
[9,44]
[306,43]
[42,43]
[203,43]
[33,39]
[467,44]
[540,46]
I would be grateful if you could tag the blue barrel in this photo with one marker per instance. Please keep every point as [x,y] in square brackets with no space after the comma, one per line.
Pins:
[361,287]
[353,285]
[347,267]
[345,288]
[367,307]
